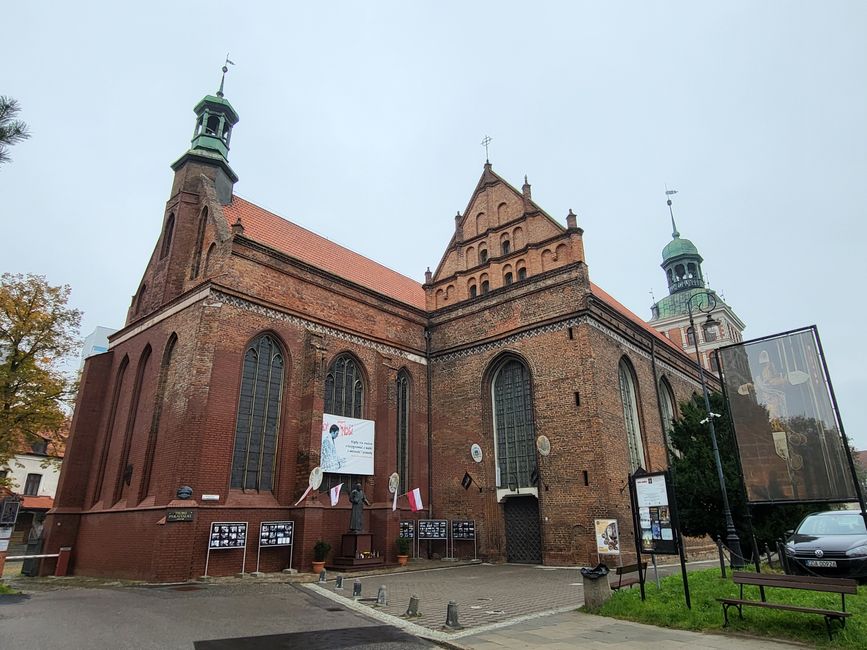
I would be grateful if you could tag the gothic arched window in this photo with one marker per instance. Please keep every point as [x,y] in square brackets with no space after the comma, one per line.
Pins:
[514,429]
[403,429]
[159,400]
[629,398]
[344,395]
[666,404]
[258,416]
[168,232]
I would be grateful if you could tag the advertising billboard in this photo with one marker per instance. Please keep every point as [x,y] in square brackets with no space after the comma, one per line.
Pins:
[789,442]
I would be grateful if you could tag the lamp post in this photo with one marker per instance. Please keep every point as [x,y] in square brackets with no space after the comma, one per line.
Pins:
[706,307]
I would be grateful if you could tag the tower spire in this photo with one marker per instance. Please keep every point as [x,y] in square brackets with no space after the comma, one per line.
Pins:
[669,193]
[223,78]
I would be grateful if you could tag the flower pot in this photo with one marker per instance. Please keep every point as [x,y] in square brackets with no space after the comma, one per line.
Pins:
[402,559]
[318,566]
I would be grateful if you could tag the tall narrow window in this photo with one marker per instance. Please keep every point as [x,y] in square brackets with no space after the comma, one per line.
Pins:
[31,485]
[109,430]
[483,255]
[513,425]
[485,287]
[124,470]
[507,279]
[209,257]
[258,416]
[403,429]
[690,336]
[344,395]
[159,400]
[168,233]
[200,239]
[666,403]
[522,273]
[629,397]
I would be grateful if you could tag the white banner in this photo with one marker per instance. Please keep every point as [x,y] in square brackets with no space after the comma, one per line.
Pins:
[347,445]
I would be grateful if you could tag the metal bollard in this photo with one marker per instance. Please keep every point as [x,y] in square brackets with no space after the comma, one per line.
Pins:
[381,596]
[338,583]
[768,555]
[412,608]
[356,588]
[722,557]
[323,576]
[452,616]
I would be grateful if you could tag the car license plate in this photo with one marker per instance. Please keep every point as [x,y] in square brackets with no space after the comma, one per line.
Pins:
[828,564]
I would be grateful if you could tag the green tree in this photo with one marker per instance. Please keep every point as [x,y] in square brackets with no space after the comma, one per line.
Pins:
[37,332]
[696,482]
[12,130]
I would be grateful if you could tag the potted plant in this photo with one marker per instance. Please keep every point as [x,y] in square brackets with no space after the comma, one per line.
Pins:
[320,551]
[403,544]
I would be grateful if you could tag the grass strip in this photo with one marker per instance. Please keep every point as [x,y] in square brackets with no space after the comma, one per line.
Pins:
[665,607]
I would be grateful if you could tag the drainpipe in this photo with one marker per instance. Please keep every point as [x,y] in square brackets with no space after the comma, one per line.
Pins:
[427,336]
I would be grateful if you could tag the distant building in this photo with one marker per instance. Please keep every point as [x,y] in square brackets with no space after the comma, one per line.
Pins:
[96,342]
[682,265]
[33,474]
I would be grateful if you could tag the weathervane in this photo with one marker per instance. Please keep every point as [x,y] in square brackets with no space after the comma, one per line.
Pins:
[485,142]
[225,70]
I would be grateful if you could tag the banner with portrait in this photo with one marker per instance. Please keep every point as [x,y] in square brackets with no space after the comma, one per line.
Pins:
[347,445]
[790,446]
[607,536]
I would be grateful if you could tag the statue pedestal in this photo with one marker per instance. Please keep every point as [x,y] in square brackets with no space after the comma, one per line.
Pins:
[353,545]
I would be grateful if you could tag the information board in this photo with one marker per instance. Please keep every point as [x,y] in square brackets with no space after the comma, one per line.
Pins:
[407,529]
[228,534]
[654,515]
[276,533]
[463,529]
[433,529]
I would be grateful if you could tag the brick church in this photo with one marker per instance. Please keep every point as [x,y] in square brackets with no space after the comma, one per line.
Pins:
[247,329]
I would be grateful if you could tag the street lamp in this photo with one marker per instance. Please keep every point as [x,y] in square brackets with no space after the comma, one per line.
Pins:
[706,307]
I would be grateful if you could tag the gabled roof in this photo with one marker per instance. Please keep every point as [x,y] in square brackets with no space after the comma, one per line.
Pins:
[276,232]
[605,297]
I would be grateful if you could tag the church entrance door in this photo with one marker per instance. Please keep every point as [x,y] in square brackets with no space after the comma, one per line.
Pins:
[523,537]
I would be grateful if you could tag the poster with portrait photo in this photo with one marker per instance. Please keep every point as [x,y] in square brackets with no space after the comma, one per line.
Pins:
[347,445]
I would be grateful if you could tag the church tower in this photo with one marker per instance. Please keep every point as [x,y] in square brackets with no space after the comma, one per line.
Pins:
[681,263]
[209,151]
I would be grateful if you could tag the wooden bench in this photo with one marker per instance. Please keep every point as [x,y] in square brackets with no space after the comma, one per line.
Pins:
[628,580]
[840,586]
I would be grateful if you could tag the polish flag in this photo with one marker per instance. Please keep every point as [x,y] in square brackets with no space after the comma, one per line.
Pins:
[335,494]
[415,500]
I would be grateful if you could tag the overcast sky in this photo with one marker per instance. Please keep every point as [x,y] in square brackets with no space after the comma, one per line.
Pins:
[362,122]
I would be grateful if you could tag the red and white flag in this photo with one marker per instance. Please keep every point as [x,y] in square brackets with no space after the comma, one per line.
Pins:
[335,494]
[415,500]
[306,492]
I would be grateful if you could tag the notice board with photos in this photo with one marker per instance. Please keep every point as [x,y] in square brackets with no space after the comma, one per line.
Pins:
[433,529]
[656,529]
[463,529]
[407,529]
[276,533]
[228,534]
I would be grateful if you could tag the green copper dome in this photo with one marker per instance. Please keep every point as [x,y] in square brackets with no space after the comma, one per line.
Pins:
[677,247]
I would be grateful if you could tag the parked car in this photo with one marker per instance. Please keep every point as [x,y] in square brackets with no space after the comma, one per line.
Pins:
[832,544]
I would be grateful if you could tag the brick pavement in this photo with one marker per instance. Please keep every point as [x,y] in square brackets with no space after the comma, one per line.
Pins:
[509,606]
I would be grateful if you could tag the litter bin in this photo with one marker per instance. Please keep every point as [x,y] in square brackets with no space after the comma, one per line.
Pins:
[596,587]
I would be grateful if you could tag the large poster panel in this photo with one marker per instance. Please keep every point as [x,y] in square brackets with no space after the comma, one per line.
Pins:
[347,445]
[789,442]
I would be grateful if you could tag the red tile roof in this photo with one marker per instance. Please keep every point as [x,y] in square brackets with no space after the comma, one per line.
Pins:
[37,503]
[276,232]
[293,240]
[604,296]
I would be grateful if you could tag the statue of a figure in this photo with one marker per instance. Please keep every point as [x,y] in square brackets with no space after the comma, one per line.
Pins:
[358,501]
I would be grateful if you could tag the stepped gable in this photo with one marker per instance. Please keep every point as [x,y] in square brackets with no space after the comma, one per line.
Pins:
[276,232]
